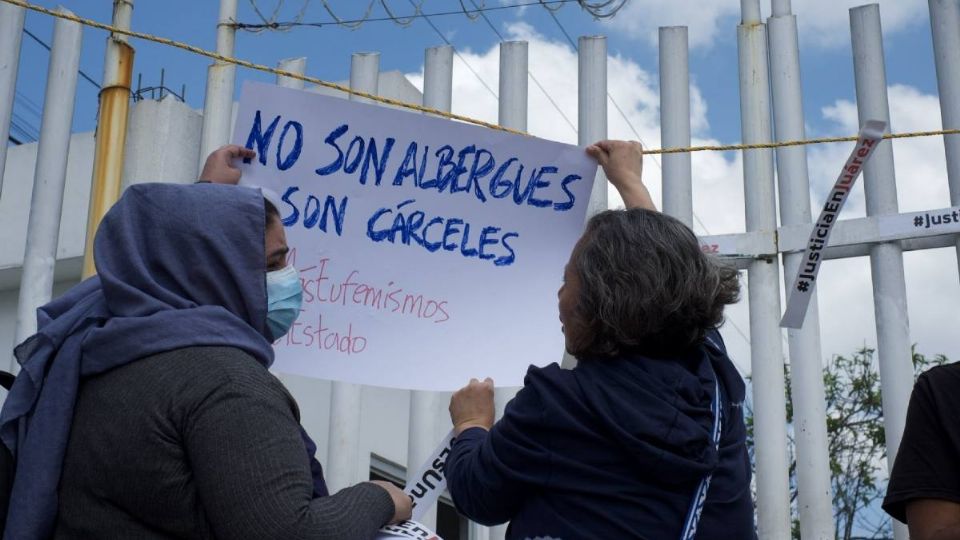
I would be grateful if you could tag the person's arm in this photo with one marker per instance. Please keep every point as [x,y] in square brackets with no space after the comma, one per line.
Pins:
[622,162]
[219,168]
[933,519]
[244,447]
[491,466]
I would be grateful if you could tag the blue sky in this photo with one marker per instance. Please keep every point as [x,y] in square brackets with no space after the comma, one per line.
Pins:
[845,290]
[826,69]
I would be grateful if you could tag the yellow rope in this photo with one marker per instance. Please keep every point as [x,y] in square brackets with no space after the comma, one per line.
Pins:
[413,106]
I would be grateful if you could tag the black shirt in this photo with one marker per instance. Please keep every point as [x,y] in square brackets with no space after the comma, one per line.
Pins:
[928,463]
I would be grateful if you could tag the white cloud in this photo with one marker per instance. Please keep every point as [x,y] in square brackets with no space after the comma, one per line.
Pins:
[718,188]
[827,22]
[847,320]
[821,22]
[847,317]
[704,18]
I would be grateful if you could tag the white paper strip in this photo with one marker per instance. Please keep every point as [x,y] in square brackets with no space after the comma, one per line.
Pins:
[805,282]
[929,223]
[407,529]
[424,488]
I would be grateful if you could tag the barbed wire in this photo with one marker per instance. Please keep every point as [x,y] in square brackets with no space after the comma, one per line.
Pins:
[599,10]
[603,9]
[270,23]
[413,106]
[404,21]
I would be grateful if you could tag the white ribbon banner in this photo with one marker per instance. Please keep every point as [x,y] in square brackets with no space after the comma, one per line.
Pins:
[916,224]
[804,284]
[424,488]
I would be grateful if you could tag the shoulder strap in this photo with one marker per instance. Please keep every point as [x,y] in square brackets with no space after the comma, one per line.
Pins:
[700,496]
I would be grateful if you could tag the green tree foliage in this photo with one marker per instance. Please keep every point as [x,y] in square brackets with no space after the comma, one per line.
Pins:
[857,442]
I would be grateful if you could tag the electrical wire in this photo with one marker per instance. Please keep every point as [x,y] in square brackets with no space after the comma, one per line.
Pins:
[402,20]
[532,77]
[47,47]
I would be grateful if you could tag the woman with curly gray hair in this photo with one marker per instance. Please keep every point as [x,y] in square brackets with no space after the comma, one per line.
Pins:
[645,437]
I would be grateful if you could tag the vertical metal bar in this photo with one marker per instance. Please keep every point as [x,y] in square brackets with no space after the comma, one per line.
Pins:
[886,260]
[945,24]
[46,204]
[592,119]
[769,401]
[293,65]
[221,76]
[675,122]
[806,370]
[426,407]
[514,65]
[438,78]
[781,8]
[592,107]
[11,34]
[513,84]
[750,11]
[343,448]
[111,127]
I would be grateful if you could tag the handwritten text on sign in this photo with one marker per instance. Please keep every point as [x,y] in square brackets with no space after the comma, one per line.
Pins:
[430,251]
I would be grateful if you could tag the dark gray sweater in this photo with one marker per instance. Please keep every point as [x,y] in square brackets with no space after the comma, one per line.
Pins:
[199,443]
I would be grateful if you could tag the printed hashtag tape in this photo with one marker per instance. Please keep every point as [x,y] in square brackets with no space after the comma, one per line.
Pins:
[407,529]
[806,280]
[747,245]
[424,488]
[928,223]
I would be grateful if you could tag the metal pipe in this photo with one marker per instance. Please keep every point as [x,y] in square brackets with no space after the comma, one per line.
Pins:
[111,127]
[221,76]
[293,65]
[781,8]
[11,34]
[513,84]
[426,420]
[438,78]
[591,120]
[750,12]
[886,260]
[50,176]
[343,447]
[806,370]
[945,24]
[514,66]
[773,497]
[592,108]
[675,122]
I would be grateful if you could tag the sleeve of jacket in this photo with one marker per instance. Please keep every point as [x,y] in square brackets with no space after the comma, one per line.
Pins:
[243,443]
[490,474]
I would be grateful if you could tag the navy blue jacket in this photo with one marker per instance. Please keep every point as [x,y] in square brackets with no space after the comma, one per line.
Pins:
[611,449]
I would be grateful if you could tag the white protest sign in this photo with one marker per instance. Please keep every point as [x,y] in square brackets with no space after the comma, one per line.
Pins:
[430,251]
[871,135]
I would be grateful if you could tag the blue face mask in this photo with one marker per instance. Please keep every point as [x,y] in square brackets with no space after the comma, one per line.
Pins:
[284,296]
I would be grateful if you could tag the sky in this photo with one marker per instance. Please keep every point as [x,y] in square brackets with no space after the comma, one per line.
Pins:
[846,303]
